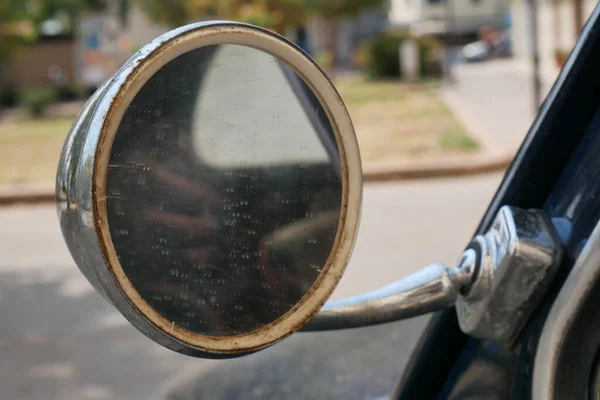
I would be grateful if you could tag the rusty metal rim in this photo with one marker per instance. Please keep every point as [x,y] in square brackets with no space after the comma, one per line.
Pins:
[126,86]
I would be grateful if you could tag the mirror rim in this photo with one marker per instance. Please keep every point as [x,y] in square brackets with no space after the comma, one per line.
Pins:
[104,123]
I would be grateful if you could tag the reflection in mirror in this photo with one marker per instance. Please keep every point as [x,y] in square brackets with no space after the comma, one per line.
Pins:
[224,190]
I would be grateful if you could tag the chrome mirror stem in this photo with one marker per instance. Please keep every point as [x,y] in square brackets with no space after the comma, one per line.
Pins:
[433,288]
[498,282]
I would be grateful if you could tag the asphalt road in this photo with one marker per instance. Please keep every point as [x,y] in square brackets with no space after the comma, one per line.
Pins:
[61,340]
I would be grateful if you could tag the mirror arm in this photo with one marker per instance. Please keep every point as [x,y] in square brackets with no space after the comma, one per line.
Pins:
[433,288]
[498,283]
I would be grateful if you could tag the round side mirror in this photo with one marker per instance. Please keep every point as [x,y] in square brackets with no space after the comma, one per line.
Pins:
[211,189]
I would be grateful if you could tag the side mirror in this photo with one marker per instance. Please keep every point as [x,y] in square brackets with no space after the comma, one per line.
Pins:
[211,189]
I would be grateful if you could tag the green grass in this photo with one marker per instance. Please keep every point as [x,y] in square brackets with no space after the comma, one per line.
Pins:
[395,120]
[356,92]
[29,149]
[458,140]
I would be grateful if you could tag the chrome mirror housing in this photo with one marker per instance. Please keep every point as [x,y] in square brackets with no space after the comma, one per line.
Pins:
[211,189]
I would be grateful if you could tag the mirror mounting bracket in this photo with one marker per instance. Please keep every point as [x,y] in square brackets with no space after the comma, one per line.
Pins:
[498,282]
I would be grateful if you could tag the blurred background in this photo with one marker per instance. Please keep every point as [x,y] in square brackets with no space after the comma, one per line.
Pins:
[434,87]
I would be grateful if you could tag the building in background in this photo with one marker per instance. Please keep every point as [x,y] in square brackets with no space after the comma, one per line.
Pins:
[448,17]
[88,54]
[103,43]
[42,63]
[557,33]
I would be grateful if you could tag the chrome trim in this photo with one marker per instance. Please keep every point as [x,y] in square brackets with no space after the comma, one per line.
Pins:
[518,260]
[571,298]
[433,288]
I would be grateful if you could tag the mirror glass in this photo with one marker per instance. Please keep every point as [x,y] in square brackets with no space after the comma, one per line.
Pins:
[224,190]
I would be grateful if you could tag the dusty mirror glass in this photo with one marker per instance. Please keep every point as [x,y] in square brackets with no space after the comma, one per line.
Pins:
[224,190]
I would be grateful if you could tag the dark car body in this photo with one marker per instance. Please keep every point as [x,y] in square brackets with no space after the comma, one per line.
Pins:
[557,169]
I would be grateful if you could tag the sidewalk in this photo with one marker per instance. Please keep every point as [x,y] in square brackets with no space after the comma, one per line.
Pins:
[496,96]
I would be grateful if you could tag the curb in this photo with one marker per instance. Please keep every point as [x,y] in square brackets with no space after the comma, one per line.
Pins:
[493,157]
[437,169]
[27,194]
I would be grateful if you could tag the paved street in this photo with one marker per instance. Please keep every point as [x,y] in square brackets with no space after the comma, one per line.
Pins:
[60,340]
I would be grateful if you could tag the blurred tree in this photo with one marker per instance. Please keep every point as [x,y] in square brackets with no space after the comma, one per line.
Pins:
[15,25]
[172,12]
[272,14]
[15,30]
[333,11]
[579,17]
